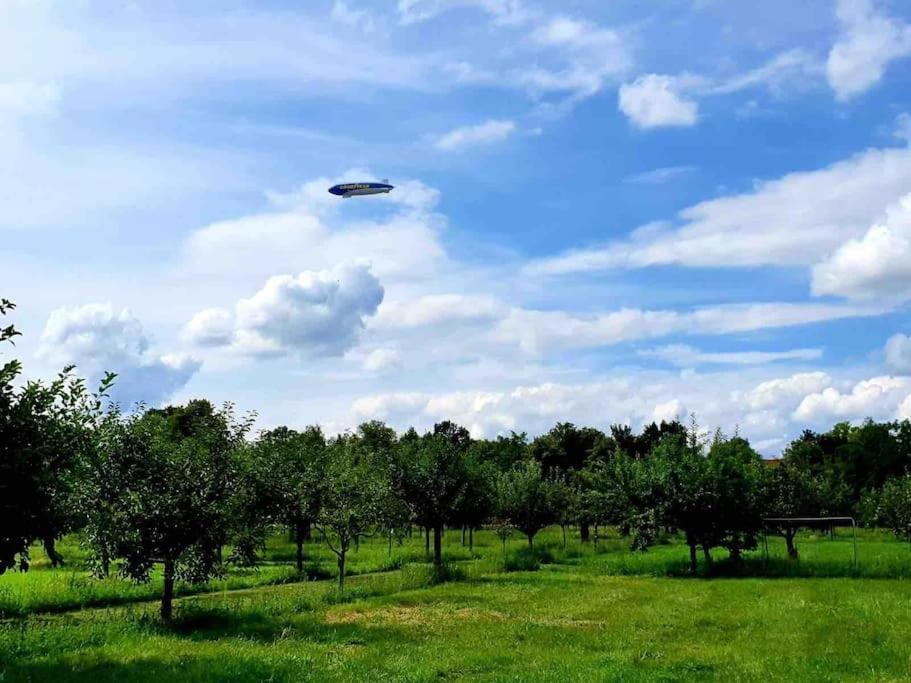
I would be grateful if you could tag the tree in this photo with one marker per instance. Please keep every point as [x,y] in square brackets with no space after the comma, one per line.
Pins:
[893,506]
[503,452]
[432,474]
[289,468]
[736,473]
[681,495]
[791,490]
[43,428]
[565,449]
[478,502]
[173,496]
[357,498]
[527,498]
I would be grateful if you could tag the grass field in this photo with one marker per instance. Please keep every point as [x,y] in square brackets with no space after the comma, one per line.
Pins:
[584,614]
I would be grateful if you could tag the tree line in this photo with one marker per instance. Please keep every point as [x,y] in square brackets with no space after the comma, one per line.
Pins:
[191,489]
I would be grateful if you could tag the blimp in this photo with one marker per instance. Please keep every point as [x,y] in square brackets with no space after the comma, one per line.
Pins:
[346,190]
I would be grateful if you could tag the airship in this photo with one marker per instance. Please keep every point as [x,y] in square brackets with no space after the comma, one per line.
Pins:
[346,190]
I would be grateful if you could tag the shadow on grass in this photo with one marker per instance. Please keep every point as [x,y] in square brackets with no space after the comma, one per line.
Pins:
[200,623]
[151,669]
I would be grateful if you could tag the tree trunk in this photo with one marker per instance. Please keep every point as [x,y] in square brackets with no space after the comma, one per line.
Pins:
[438,545]
[584,532]
[708,557]
[167,597]
[463,536]
[341,570]
[471,538]
[531,542]
[692,545]
[50,549]
[427,542]
[308,532]
[299,539]
[789,542]
[563,527]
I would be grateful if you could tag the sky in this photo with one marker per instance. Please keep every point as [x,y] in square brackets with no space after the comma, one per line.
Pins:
[603,212]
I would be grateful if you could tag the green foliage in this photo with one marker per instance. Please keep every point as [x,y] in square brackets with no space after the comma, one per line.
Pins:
[433,474]
[44,429]
[356,497]
[527,498]
[891,506]
[168,480]
[565,448]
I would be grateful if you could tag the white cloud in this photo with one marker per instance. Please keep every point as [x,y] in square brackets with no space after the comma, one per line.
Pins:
[784,392]
[98,339]
[382,360]
[659,176]
[210,327]
[874,267]
[868,42]
[904,409]
[351,16]
[877,397]
[668,411]
[536,332]
[685,356]
[656,100]
[309,229]
[318,313]
[653,101]
[898,353]
[438,310]
[503,11]
[482,134]
[797,219]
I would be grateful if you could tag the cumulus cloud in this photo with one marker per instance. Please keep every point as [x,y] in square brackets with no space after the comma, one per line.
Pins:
[904,409]
[493,130]
[534,408]
[654,100]
[318,313]
[657,100]
[668,411]
[878,265]
[868,42]
[898,353]
[98,339]
[686,356]
[778,392]
[877,397]
[797,219]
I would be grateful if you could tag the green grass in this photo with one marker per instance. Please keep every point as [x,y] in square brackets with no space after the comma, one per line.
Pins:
[582,614]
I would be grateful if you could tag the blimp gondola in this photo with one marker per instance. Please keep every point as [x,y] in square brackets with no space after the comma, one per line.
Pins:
[346,190]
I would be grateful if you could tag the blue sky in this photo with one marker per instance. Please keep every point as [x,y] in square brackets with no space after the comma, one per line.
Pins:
[604,212]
